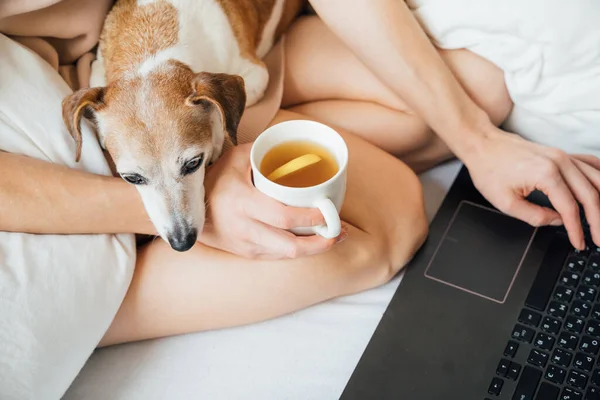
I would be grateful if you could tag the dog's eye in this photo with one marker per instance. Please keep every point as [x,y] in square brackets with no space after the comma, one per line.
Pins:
[192,165]
[134,179]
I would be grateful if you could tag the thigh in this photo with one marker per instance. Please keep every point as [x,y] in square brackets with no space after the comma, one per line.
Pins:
[174,293]
[320,67]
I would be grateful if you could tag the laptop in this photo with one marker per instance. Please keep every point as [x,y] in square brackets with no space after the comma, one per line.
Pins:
[489,308]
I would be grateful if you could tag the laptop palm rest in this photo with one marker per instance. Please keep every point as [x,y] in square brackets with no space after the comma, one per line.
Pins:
[481,252]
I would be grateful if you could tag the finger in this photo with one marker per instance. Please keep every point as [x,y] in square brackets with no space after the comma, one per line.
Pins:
[271,212]
[534,214]
[593,177]
[590,171]
[563,194]
[276,243]
[552,184]
[588,159]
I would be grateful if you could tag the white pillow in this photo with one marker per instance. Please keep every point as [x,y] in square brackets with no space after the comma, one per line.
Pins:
[58,294]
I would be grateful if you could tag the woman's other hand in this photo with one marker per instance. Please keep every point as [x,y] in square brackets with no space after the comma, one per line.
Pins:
[244,221]
[506,168]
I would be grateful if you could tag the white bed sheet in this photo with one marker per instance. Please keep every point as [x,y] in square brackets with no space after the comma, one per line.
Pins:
[308,355]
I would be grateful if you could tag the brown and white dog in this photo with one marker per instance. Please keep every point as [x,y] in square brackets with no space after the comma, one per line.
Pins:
[172,78]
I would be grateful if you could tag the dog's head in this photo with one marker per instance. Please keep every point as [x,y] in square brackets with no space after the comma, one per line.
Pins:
[161,131]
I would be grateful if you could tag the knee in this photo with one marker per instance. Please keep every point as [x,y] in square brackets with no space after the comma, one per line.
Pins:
[391,247]
[492,96]
[402,241]
[482,80]
[497,103]
[387,256]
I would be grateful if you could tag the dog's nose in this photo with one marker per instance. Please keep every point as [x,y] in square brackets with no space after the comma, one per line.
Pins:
[183,238]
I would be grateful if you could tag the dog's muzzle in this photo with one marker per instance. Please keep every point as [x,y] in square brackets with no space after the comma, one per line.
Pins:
[183,237]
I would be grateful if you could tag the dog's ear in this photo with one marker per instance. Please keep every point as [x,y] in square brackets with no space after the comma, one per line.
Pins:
[224,92]
[82,103]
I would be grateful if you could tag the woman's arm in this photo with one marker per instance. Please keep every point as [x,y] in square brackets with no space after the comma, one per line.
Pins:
[393,45]
[41,197]
[504,167]
[45,198]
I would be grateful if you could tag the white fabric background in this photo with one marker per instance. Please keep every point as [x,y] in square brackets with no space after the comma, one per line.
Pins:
[549,51]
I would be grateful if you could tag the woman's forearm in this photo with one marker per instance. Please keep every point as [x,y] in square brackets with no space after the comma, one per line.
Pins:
[388,39]
[45,198]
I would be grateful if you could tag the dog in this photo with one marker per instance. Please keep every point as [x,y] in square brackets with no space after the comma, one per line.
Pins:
[170,84]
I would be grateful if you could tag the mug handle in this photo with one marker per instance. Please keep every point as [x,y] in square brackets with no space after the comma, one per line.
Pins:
[333,225]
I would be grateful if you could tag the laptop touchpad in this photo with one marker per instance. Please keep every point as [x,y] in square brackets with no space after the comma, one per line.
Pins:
[481,252]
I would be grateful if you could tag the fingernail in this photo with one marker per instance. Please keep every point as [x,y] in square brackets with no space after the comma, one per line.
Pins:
[556,222]
[343,236]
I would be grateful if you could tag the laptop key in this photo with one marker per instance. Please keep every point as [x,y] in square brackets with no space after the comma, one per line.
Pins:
[537,358]
[592,277]
[540,291]
[574,324]
[596,378]
[596,311]
[563,293]
[582,253]
[496,386]
[593,393]
[583,362]
[523,333]
[577,379]
[575,264]
[589,345]
[555,374]
[593,328]
[562,357]
[571,394]
[547,392]
[568,341]
[569,279]
[586,293]
[551,325]
[594,262]
[530,378]
[557,309]
[580,308]
[502,368]
[530,317]
[511,349]
[544,342]
[513,371]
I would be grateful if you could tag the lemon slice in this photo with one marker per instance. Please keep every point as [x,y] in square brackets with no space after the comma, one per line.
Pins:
[292,166]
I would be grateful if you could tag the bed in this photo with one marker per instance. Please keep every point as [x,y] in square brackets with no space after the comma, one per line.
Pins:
[306,355]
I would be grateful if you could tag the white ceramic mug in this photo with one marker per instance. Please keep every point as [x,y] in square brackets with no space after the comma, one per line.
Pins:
[327,196]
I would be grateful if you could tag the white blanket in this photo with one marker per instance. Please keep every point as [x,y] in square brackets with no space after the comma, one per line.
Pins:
[58,294]
[549,51]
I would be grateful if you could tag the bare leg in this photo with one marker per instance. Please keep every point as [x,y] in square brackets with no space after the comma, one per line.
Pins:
[202,289]
[326,81]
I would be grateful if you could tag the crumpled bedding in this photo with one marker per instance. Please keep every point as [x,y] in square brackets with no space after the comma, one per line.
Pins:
[549,51]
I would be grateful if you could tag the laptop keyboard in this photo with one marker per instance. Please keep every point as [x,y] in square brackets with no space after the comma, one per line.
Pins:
[558,329]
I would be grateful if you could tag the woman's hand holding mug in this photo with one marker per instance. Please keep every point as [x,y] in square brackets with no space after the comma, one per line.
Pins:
[243,220]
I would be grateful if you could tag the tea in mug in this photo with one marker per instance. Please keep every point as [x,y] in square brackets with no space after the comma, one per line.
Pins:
[312,175]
